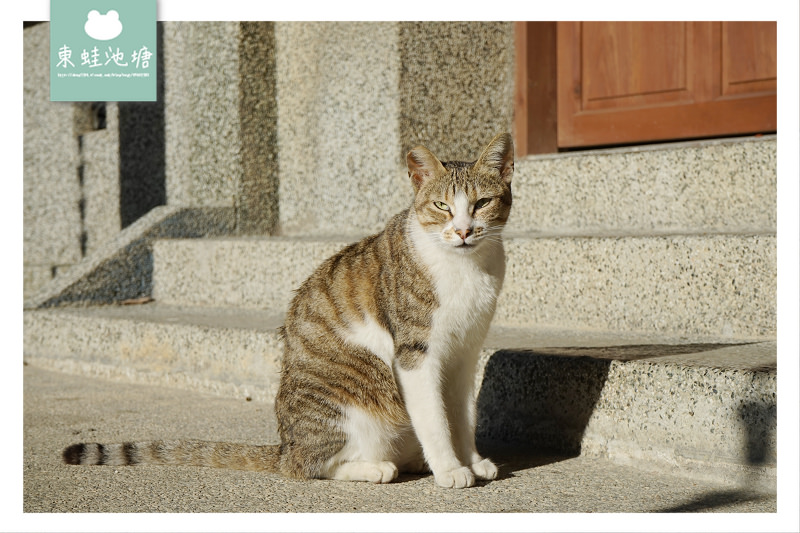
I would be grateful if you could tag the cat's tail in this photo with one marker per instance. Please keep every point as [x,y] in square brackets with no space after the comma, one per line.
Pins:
[176,452]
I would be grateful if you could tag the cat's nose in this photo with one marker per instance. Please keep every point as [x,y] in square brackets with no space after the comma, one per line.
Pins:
[463,233]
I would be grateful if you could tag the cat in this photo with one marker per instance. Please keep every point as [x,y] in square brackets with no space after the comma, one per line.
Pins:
[382,344]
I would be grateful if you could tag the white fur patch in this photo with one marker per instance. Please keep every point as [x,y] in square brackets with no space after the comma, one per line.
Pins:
[373,337]
[466,284]
[369,439]
[421,388]
[462,218]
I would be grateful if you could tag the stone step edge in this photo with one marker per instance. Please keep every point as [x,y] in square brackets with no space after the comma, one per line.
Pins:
[593,444]
[172,379]
[739,354]
[667,185]
[703,285]
[538,339]
[628,416]
[121,268]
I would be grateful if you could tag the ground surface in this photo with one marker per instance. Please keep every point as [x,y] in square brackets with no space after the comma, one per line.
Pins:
[61,409]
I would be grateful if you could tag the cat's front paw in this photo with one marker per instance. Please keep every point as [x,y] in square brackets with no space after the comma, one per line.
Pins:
[485,469]
[459,478]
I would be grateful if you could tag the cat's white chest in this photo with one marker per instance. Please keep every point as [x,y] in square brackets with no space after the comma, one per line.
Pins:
[466,286]
[467,293]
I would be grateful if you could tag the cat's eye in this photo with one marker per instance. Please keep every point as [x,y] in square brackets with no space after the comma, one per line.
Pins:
[441,205]
[483,202]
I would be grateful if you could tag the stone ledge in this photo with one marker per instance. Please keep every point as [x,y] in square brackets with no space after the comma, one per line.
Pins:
[122,268]
[727,185]
[700,285]
[691,406]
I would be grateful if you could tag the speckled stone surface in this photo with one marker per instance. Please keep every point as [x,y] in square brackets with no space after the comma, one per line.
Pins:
[100,154]
[203,160]
[122,268]
[711,285]
[354,97]
[456,85]
[35,277]
[220,114]
[232,353]
[256,198]
[673,416]
[108,159]
[142,148]
[724,185]
[243,272]
[61,409]
[674,404]
[338,138]
[696,416]
[716,285]
[51,188]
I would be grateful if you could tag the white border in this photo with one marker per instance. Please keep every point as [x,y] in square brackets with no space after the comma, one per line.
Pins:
[788,266]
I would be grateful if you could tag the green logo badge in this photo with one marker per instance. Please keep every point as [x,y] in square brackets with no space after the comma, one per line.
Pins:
[103,50]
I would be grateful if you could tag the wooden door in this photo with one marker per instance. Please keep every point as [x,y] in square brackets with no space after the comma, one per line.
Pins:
[638,82]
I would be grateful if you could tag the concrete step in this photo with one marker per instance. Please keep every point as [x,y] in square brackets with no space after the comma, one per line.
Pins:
[721,285]
[691,406]
[60,410]
[233,352]
[727,185]
[723,185]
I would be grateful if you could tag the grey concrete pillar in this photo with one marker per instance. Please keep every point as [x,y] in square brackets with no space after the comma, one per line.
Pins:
[220,119]
[354,97]
[51,185]
[457,85]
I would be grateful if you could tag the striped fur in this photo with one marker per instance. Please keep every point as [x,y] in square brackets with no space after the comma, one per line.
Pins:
[382,340]
[177,452]
[381,343]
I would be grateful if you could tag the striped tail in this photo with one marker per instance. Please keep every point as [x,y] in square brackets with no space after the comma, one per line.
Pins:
[176,452]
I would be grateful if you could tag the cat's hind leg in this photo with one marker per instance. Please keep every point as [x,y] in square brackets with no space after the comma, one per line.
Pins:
[380,472]
[369,451]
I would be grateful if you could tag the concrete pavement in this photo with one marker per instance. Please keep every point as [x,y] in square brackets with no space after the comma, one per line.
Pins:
[60,409]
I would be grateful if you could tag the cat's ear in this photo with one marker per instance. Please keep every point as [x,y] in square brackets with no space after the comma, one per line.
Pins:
[422,166]
[498,157]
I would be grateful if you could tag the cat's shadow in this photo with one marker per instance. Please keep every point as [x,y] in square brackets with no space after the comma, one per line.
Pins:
[512,459]
[509,460]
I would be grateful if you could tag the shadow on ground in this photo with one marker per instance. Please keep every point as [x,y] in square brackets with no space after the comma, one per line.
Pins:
[757,453]
[555,391]
[718,499]
[552,394]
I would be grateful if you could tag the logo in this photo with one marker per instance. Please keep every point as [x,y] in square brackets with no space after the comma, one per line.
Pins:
[103,50]
[103,27]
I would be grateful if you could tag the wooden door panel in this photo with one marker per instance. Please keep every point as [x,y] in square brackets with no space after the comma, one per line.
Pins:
[634,82]
[749,62]
[629,63]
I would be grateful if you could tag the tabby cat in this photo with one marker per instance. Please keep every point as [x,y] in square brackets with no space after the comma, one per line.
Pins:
[382,344]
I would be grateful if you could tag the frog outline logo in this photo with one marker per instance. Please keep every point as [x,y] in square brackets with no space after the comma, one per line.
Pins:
[103,27]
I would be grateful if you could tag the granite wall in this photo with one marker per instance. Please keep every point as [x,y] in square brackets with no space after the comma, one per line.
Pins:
[456,85]
[297,128]
[52,219]
[355,97]
[90,168]
[221,119]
